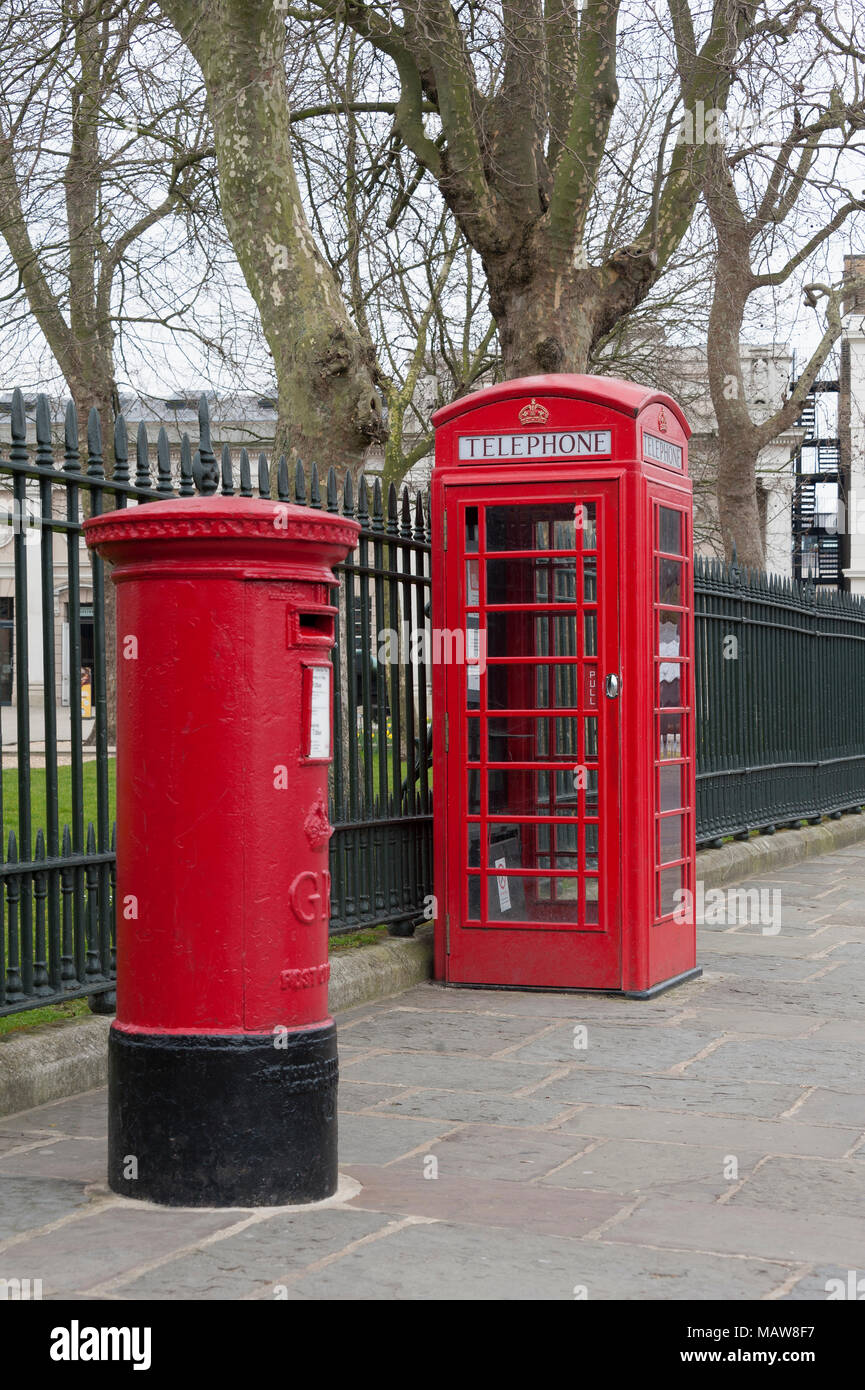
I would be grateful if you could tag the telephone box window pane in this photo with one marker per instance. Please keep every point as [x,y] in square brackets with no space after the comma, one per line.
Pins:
[531,528]
[671,882]
[564,581]
[506,895]
[517,793]
[590,725]
[566,846]
[532,686]
[531,581]
[474,837]
[670,736]
[472,590]
[590,579]
[474,741]
[670,783]
[502,640]
[564,635]
[566,738]
[592,847]
[563,682]
[513,687]
[591,791]
[471,528]
[508,847]
[542,636]
[669,531]
[669,684]
[567,788]
[586,522]
[671,838]
[523,739]
[670,581]
[517,634]
[526,792]
[591,912]
[590,627]
[474,793]
[474,898]
[518,581]
[559,890]
[670,633]
[513,898]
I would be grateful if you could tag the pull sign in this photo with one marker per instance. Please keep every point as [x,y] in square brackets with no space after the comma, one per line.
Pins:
[319,712]
[590,686]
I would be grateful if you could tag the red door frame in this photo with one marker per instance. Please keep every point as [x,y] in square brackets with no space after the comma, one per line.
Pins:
[535,954]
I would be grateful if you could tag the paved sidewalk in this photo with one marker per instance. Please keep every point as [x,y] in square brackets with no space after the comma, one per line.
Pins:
[708,1144]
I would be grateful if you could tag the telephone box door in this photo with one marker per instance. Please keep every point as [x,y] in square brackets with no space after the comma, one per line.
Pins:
[532,882]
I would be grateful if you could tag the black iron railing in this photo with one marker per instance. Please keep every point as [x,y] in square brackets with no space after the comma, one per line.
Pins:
[780,670]
[57,764]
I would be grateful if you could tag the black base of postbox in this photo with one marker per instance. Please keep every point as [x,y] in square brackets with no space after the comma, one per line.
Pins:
[223,1121]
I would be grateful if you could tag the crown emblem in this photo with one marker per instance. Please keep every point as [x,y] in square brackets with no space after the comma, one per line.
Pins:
[662,420]
[534,414]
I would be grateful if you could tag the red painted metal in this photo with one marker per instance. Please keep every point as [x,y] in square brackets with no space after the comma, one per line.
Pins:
[562,536]
[223,619]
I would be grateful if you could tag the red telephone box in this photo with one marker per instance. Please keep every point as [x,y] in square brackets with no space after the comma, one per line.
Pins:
[564,690]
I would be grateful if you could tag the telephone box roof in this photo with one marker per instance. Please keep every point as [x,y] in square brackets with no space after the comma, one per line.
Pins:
[625,396]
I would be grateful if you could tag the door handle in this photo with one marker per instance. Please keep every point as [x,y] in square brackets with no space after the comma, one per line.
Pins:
[611,687]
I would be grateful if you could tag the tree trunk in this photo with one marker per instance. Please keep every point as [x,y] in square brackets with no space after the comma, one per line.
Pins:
[738,503]
[545,318]
[329,408]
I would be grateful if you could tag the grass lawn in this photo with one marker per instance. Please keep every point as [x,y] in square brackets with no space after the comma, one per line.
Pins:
[37,798]
[54,1013]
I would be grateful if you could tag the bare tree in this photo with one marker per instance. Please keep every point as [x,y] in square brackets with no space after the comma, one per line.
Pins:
[329,407]
[512,110]
[103,143]
[775,199]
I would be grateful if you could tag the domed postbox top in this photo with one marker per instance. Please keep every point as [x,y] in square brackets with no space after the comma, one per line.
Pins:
[227,532]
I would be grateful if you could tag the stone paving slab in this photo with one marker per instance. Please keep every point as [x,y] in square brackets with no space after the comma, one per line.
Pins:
[706,1144]
[726,1133]
[448,1261]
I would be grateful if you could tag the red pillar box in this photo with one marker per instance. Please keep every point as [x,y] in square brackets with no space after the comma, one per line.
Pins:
[223,1065]
[562,542]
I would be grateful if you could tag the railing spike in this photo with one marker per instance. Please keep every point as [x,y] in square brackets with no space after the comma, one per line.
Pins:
[263,476]
[207,474]
[282,490]
[121,450]
[245,475]
[187,480]
[44,454]
[142,457]
[227,476]
[163,464]
[71,458]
